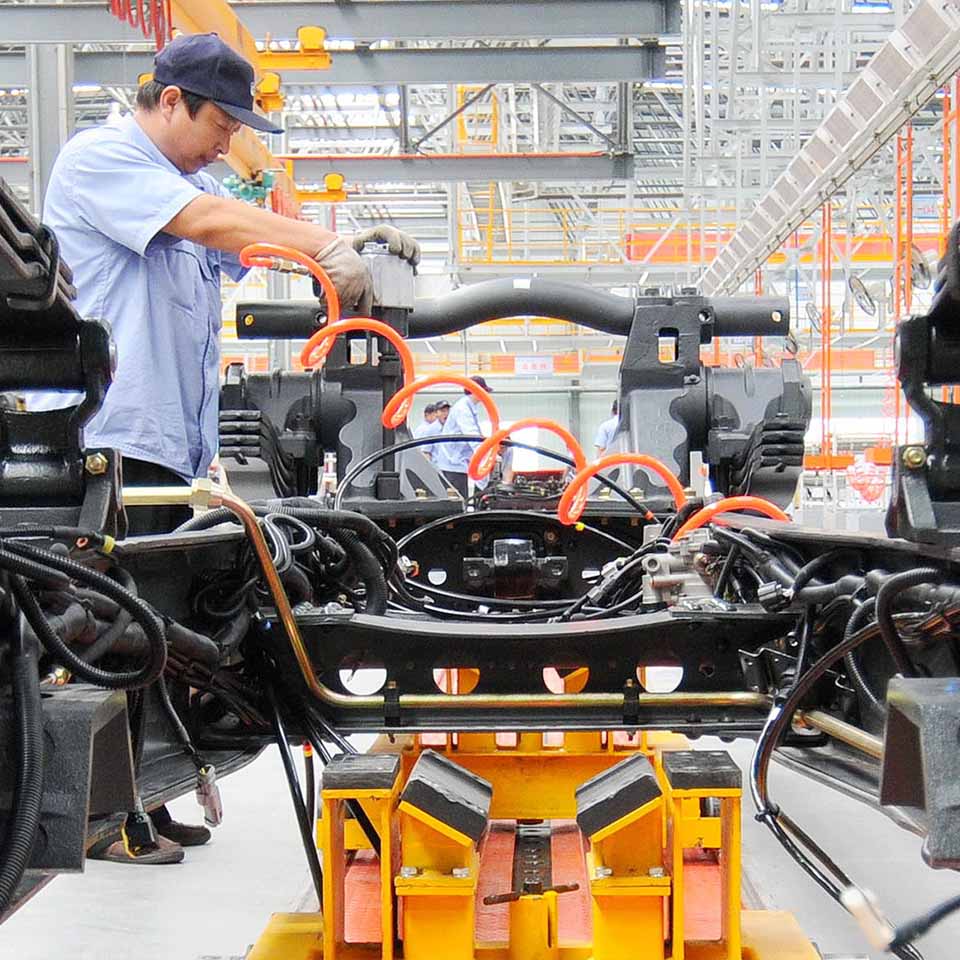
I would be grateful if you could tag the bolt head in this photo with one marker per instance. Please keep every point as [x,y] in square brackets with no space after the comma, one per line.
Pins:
[656,872]
[460,873]
[776,316]
[602,873]
[914,457]
[248,320]
[408,872]
[96,464]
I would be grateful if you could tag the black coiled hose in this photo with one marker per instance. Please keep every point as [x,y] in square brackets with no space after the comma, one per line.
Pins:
[21,833]
[860,618]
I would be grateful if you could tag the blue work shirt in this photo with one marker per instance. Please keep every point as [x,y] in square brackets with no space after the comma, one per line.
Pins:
[605,432]
[425,429]
[463,418]
[111,193]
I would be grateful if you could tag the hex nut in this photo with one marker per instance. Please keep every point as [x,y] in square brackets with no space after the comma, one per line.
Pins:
[96,464]
[914,457]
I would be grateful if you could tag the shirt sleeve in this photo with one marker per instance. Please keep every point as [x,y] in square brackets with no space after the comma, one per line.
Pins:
[124,193]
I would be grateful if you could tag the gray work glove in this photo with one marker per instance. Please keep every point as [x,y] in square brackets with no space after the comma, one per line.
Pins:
[349,275]
[400,244]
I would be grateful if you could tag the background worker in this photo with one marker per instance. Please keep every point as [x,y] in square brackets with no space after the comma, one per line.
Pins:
[454,458]
[424,427]
[606,430]
[147,235]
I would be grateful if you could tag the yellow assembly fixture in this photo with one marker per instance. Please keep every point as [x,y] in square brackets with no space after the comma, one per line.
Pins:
[620,811]
[704,789]
[444,811]
[374,781]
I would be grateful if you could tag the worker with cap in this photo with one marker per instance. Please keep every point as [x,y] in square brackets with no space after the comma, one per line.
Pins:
[147,235]
[443,411]
[453,458]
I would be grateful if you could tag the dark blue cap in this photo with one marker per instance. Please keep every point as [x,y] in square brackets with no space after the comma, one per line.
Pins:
[203,64]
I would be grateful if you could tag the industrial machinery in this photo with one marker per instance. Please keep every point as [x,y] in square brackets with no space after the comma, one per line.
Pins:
[515,639]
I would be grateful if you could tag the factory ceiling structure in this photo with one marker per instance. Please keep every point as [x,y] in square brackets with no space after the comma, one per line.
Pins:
[641,144]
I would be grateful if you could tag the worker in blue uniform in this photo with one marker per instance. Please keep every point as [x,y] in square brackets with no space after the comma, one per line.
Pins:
[147,235]
[453,458]
[606,430]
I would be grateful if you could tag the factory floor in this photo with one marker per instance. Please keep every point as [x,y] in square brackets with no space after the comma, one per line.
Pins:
[215,904]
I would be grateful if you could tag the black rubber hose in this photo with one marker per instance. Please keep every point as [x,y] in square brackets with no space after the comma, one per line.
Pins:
[109,638]
[859,618]
[306,827]
[498,299]
[846,586]
[233,633]
[810,570]
[367,569]
[143,614]
[24,823]
[886,595]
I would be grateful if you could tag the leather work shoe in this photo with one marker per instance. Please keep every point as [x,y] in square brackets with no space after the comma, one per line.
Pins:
[164,851]
[184,834]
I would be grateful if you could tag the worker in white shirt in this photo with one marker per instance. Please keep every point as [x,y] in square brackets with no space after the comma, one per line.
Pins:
[606,430]
[424,427]
[453,458]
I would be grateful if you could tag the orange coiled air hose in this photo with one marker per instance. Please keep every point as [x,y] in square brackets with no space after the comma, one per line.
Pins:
[485,456]
[728,505]
[395,412]
[270,254]
[574,498]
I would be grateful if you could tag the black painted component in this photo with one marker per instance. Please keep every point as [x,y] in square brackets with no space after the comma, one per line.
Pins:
[449,793]
[921,764]
[45,476]
[614,793]
[368,771]
[88,769]
[514,570]
[748,423]
[497,299]
[701,770]
[459,553]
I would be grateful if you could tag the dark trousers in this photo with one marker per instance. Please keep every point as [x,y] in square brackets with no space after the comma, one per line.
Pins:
[458,481]
[140,520]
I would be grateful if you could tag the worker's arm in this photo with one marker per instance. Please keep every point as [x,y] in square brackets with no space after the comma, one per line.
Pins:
[227,224]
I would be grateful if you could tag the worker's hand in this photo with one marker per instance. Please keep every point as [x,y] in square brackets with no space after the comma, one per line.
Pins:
[349,274]
[400,244]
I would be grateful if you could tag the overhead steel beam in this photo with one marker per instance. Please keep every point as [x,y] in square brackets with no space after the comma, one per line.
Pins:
[386,19]
[391,67]
[457,168]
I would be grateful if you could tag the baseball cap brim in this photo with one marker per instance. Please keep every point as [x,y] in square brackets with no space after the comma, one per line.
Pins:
[248,117]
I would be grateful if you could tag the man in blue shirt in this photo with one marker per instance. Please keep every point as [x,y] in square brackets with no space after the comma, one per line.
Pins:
[453,458]
[429,419]
[606,430]
[147,235]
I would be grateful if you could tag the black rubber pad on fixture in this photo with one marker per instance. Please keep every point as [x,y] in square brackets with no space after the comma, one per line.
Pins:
[361,771]
[454,796]
[701,770]
[613,794]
